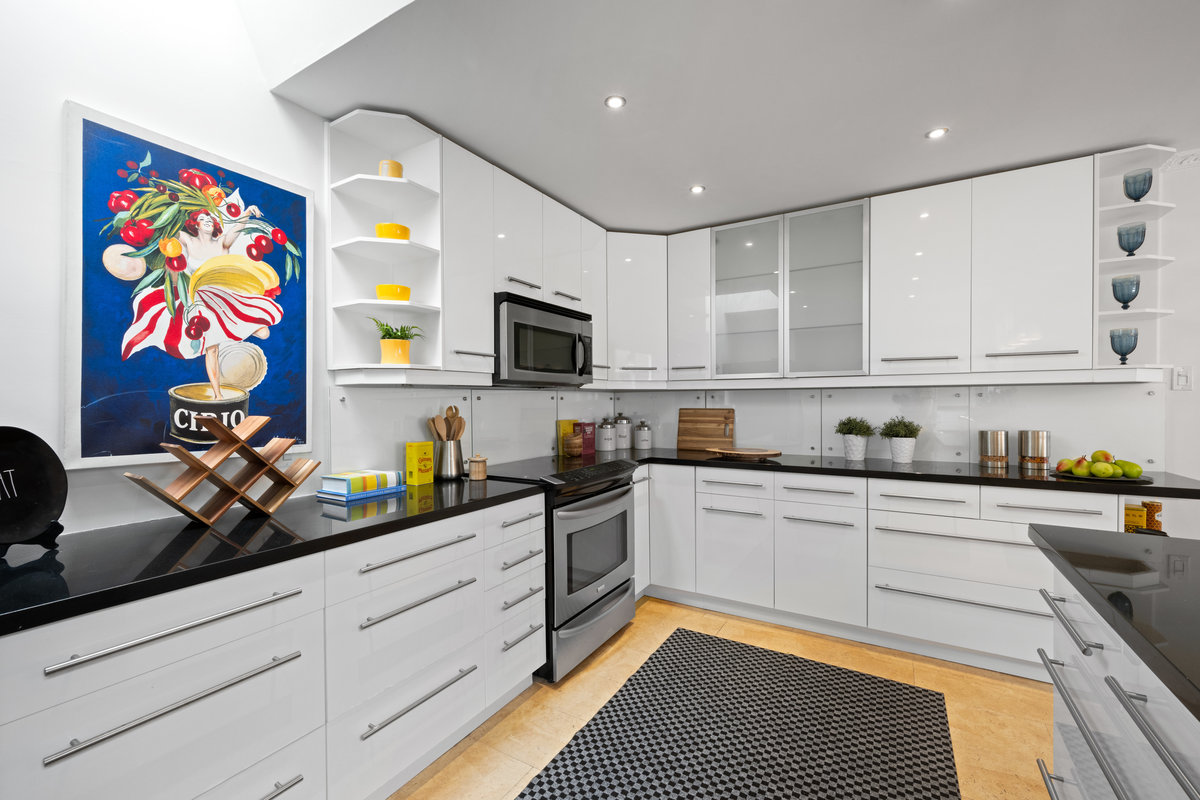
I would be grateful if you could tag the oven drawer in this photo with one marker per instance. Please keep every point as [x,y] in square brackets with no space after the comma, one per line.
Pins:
[515,596]
[736,482]
[828,490]
[512,520]
[515,649]
[508,559]
[923,497]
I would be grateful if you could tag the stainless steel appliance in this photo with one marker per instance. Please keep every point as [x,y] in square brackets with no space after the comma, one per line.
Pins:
[589,533]
[540,344]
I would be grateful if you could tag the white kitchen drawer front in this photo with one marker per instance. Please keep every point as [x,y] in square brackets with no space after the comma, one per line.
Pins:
[830,490]
[369,745]
[380,639]
[359,568]
[117,643]
[508,559]
[179,730]
[970,549]
[735,482]
[1072,509]
[924,497]
[516,595]
[735,548]
[514,650]
[821,561]
[297,772]
[1001,620]
[512,520]
[1079,627]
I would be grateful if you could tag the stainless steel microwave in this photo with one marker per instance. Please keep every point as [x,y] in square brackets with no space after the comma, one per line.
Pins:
[541,344]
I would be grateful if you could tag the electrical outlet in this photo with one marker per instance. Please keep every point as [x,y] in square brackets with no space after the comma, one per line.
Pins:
[1181,379]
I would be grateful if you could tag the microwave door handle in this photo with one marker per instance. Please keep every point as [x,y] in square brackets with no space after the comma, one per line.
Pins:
[583,356]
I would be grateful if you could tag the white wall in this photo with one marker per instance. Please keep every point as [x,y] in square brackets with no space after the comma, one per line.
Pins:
[137,61]
[1181,291]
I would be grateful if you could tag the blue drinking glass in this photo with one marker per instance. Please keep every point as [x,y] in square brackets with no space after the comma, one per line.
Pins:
[1125,289]
[1123,341]
[1130,237]
[1137,183]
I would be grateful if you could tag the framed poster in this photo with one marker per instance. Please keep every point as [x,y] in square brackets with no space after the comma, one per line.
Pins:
[188,295]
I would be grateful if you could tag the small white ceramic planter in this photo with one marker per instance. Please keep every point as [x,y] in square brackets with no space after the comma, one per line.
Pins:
[856,447]
[902,449]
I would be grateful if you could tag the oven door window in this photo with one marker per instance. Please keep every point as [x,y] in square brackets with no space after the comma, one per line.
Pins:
[594,552]
[539,349]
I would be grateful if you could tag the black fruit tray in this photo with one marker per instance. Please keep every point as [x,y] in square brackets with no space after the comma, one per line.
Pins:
[1093,479]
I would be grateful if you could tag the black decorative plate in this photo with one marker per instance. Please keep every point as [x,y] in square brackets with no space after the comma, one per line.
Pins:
[33,486]
[1066,476]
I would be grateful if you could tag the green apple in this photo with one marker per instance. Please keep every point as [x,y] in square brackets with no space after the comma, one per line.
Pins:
[1103,455]
[1082,467]
[1102,469]
[1130,469]
[1118,472]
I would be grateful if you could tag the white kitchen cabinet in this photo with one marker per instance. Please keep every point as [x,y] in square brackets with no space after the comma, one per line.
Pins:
[735,548]
[467,229]
[637,295]
[562,266]
[689,305]
[921,280]
[821,561]
[594,261]
[297,772]
[673,527]
[1045,507]
[747,314]
[641,528]
[1031,268]
[517,240]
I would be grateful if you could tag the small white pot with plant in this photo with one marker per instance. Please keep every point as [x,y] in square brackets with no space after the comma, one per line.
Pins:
[901,434]
[855,431]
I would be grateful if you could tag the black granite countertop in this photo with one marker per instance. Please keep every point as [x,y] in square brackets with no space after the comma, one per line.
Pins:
[95,569]
[1157,621]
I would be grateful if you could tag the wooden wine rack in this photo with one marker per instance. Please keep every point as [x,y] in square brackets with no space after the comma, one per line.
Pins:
[236,489]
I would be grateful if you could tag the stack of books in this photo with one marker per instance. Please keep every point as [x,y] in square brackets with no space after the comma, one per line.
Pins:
[345,488]
[349,512]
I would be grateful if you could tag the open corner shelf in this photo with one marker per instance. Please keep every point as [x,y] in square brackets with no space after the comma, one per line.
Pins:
[384,131]
[1134,263]
[366,304]
[1118,162]
[1134,315]
[379,190]
[1145,211]
[386,250]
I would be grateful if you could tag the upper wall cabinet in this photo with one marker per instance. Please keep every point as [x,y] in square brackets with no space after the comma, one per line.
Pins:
[1031,268]
[689,326]
[825,286]
[467,307]
[921,280]
[562,270]
[747,314]
[517,243]
[594,260]
[637,295]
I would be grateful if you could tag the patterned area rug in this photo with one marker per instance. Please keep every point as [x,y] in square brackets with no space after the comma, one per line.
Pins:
[709,719]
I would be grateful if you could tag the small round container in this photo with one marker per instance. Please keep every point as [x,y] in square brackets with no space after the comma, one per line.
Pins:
[642,436]
[392,291]
[1034,450]
[391,169]
[606,436]
[391,230]
[624,431]
[993,449]
[477,468]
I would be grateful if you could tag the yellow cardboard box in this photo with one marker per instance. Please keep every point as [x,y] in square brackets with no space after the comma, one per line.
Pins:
[418,463]
[1135,517]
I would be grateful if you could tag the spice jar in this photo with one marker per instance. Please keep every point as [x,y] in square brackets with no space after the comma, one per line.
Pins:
[477,466]
[624,427]
[606,436]
[642,436]
[1153,514]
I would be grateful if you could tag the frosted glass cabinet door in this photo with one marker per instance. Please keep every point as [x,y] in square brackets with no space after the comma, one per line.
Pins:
[826,291]
[746,288]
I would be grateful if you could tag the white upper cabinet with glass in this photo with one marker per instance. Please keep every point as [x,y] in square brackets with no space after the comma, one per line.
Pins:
[826,290]
[517,209]
[747,314]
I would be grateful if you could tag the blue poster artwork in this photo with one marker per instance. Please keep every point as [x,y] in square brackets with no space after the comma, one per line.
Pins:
[194,298]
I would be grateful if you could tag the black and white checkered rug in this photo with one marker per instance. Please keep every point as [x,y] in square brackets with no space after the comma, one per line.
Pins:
[709,719]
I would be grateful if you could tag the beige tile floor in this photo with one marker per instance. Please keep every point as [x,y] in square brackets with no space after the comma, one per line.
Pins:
[999,725]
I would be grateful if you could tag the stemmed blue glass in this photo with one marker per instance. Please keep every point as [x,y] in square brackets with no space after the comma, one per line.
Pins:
[1130,237]
[1123,341]
[1137,183]
[1125,289]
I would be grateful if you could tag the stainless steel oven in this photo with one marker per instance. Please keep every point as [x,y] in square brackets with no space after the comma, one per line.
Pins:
[593,550]
[541,344]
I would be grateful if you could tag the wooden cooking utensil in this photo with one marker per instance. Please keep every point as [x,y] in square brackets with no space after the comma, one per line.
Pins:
[460,426]
[433,428]
[451,412]
[439,422]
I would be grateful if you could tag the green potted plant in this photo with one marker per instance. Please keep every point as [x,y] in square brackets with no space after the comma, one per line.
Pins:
[855,431]
[901,434]
[395,341]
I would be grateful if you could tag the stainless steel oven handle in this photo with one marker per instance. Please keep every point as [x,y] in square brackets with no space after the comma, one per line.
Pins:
[510,564]
[589,508]
[1160,748]
[611,605]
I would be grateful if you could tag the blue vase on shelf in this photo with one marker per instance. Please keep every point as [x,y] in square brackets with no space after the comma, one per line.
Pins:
[1137,183]
[1125,289]
[1130,237]
[1124,341]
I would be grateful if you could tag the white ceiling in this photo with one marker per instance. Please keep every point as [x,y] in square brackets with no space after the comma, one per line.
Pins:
[774,105]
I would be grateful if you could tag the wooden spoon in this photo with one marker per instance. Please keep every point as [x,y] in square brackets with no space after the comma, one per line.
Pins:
[460,425]
[433,429]
[439,422]
[451,412]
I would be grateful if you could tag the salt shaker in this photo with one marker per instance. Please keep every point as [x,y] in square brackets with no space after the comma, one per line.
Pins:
[606,436]
[642,436]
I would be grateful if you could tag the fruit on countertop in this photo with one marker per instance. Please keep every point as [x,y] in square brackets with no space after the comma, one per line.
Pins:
[1102,469]
[1065,464]
[1130,469]
[1103,455]
[1102,464]
[1082,467]
[1118,472]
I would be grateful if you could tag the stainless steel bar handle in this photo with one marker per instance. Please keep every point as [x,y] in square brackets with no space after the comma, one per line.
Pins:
[596,506]
[1089,738]
[964,600]
[922,497]
[1160,747]
[508,523]
[531,554]
[1051,508]
[1049,778]
[568,296]
[77,746]
[820,491]
[701,366]
[280,788]
[1033,353]
[732,483]
[601,366]
[920,358]
[532,630]
[733,511]
[475,353]
[523,282]
[641,480]
[639,369]
[953,536]
[369,621]
[507,604]
[1084,646]
[75,660]
[821,521]
[373,728]
[370,567]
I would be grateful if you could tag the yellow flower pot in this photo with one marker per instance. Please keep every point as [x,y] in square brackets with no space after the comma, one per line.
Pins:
[394,351]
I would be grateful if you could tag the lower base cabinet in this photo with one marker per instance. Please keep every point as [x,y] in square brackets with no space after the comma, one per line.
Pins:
[821,561]
[735,548]
[297,772]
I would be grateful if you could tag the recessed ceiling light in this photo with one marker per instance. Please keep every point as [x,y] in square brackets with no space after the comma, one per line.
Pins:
[918,253]
[804,306]
[614,101]
[697,189]
[924,215]
[499,235]
[911,296]
[749,244]
[628,260]
[937,133]
[915,278]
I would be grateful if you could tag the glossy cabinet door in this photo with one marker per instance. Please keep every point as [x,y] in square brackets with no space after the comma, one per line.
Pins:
[641,528]
[594,261]
[689,305]
[821,561]
[825,286]
[1031,268]
[562,268]
[735,558]
[921,280]
[517,243]
[747,315]
[673,527]
[637,295]
[468,342]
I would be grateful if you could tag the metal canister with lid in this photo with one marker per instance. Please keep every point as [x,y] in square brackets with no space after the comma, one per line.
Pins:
[1033,448]
[624,427]
[993,449]
[606,436]
[642,436]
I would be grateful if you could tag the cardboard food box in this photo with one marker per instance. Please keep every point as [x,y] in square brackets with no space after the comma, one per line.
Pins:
[566,427]
[418,463]
[1135,517]
[588,429]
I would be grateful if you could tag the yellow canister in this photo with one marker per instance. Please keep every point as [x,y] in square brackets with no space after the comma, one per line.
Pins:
[391,230]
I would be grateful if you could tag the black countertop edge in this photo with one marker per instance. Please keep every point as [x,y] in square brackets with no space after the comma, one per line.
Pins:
[1187,692]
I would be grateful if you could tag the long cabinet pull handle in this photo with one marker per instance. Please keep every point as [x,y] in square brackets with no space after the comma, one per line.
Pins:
[532,630]
[922,497]
[641,480]
[600,366]
[369,621]
[964,600]
[733,511]
[700,366]
[1051,508]
[1033,353]
[1160,748]
[953,536]
[75,661]
[508,523]
[531,554]
[732,483]
[568,296]
[1084,646]
[370,567]
[374,728]
[821,521]
[1049,778]
[523,282]
[475,353]
[77,746]
[639,369]
[1089,738]
[281,787]
[920,358]
[821,491]
[507,604]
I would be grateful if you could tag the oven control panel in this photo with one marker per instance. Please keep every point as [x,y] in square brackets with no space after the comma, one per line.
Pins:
[596,473]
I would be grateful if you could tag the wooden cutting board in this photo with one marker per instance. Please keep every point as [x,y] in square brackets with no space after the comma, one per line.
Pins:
[702,428]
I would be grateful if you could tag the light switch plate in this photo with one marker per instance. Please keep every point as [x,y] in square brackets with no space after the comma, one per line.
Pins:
[1181,379]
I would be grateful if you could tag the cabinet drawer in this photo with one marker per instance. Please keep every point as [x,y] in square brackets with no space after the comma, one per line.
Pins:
[924,497]
[379,639]
[1072,509]
[831,490]
[1078,620]
[821,561]
[297,772]
[134,638]
[514,650]
[969,549]
[736,482]
[505,560]
[358,568]
[511,520]
[187,726]
[369,745]
[1002,620]
[735,557]
[513,597]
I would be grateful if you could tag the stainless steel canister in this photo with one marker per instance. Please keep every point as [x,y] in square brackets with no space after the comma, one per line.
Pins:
[993,449]
[1033,448]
